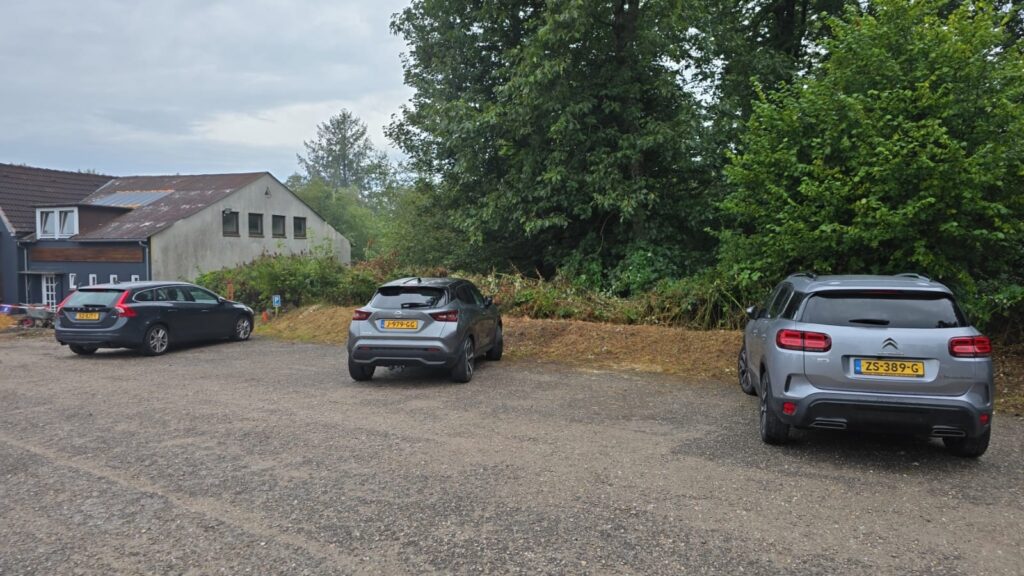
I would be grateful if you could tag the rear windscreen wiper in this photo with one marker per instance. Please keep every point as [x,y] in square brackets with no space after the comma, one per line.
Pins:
[416,305]
[873,321]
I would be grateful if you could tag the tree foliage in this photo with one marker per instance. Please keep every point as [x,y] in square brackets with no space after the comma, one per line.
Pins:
[557,131]
[342,156]
[903,151]
[348,181]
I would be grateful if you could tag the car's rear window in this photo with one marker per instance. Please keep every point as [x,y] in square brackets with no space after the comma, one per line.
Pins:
[892,309]
[101,298]
[407,297]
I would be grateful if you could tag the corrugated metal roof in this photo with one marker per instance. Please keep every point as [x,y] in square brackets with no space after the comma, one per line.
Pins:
[22,188]
[130,199]
[182,196]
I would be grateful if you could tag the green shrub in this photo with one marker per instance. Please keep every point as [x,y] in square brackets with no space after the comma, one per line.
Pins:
[712,299]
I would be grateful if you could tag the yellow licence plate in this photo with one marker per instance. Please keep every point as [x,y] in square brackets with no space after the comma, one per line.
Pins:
[400,324]
[87,315]
[896,368]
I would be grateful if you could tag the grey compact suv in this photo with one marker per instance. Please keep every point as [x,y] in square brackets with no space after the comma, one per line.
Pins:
[875,353]
[440,322]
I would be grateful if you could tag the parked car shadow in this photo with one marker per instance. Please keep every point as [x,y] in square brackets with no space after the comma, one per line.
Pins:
[116,353]
[417,378]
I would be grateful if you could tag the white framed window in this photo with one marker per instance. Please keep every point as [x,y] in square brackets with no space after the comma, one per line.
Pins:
[50,290]
[135,277]
[92,279]
[72,281]
[56,222]
[113,278]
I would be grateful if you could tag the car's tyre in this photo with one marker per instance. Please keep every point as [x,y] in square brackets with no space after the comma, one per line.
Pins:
[82,350]
[243,328]
[773,430]
[969,447]
[498,348]
[463,370]
[743,369]
[156,341]
[360,372]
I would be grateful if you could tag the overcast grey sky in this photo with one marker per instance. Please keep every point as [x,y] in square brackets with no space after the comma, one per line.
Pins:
[189,86]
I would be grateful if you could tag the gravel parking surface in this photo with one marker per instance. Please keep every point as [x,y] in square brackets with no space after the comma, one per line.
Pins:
[263,457]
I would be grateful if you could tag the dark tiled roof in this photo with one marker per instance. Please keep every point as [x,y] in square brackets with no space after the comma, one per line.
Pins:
[22,188]
[185,195]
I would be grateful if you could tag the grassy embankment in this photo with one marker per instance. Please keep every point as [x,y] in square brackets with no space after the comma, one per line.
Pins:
[700,354]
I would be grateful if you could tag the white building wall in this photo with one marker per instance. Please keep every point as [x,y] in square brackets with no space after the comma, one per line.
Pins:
[197,244]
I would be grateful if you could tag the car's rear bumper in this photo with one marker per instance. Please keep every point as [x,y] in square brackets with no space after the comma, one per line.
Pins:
[432,353]
[953,417]
[119,338]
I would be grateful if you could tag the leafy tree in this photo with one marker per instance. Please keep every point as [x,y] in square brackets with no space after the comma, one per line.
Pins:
[761,42]
[558,131]
[342,156]
[903,151]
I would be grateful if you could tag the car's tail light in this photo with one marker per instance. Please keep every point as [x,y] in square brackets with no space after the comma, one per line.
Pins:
[124,310]
[789,408]
[970,347]
[447,316]
[985,418]
[805,341]
[63,302]
[360,315]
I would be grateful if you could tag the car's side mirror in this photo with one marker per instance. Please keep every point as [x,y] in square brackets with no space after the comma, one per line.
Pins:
[488,302]
[752,312]
[221,299]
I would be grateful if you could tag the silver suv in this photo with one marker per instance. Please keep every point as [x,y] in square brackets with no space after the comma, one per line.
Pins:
[874,353]
[440,322]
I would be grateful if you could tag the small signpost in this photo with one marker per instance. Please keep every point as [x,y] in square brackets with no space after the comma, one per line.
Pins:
[275,300]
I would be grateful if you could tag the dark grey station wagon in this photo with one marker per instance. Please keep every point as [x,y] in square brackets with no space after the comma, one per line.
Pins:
[147,316]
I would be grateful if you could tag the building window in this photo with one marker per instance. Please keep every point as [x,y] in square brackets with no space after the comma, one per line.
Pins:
[72,281]
[299,227]
[255,224]
[113,278]
[135,277]
[50,290]
[92,279]
[68,223]
[57,223]
[230,223]
[277,226]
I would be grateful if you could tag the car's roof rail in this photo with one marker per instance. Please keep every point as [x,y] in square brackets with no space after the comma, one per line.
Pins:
[810,275]
[914,275]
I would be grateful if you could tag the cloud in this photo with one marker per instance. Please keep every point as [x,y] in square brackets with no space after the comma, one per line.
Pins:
[188,85]
[290,125]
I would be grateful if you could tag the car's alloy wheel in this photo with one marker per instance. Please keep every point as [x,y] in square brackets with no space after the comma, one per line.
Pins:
[773,430]
[743,368]
[156,340]
[243,328]
[463,371]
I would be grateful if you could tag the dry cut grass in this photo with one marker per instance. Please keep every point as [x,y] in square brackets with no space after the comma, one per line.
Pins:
[6,322]
[699,354]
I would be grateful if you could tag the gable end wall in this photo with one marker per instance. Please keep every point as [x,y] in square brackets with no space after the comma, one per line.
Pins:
[197,244]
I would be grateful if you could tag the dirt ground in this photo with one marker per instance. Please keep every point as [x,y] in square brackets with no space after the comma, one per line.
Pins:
[263,457]
[704,355]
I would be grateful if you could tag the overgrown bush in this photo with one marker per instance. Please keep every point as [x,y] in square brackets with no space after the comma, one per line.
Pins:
[710,300]
[903,151]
